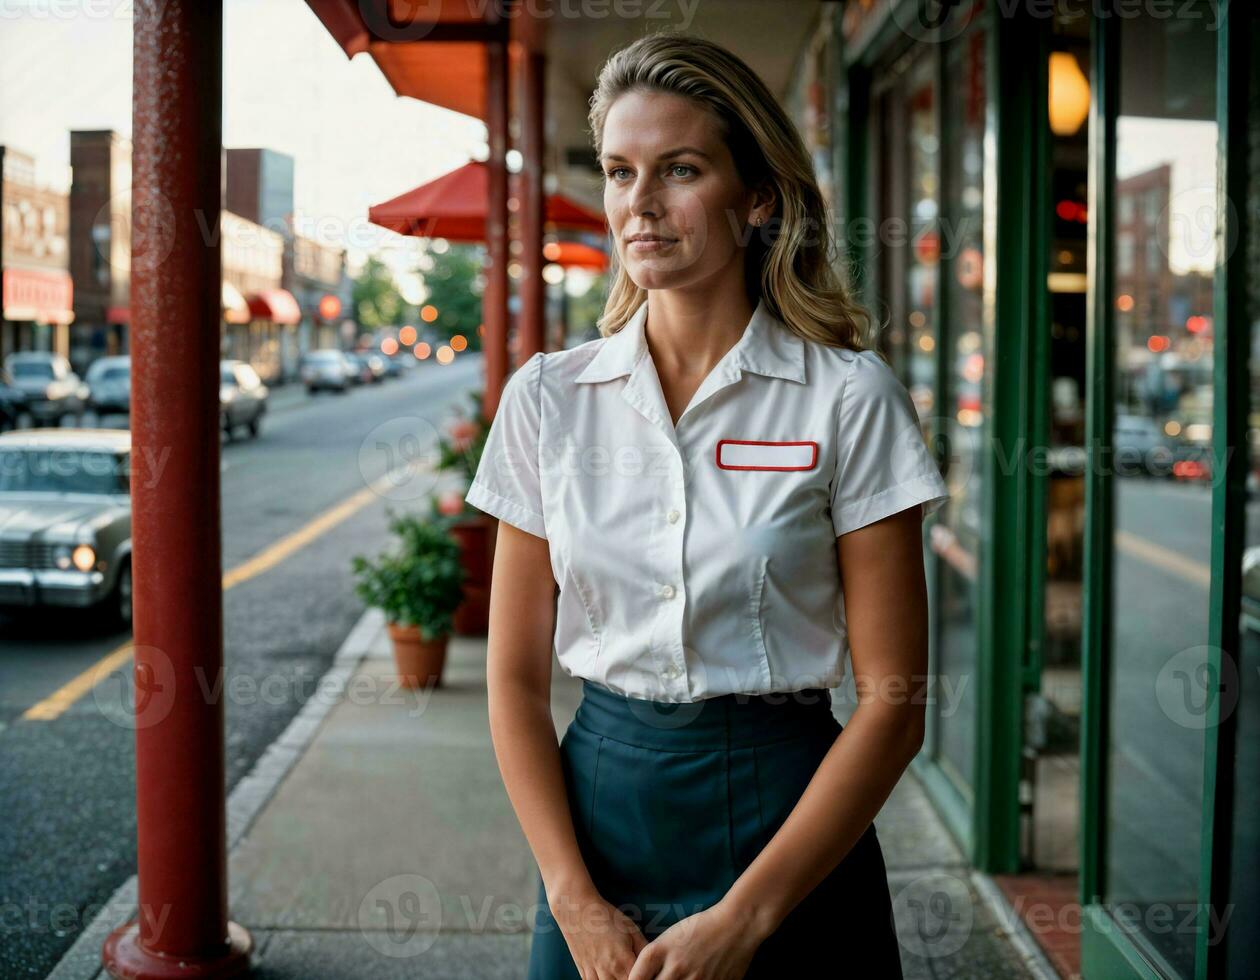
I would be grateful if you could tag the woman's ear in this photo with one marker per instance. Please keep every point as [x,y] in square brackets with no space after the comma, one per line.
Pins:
[765,202]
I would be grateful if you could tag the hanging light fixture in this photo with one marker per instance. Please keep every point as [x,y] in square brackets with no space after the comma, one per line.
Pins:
[1069,94]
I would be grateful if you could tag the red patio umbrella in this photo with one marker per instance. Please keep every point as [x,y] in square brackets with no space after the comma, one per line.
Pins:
[453,206]
[575,255]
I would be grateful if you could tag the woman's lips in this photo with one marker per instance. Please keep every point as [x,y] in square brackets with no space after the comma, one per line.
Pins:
[652,244]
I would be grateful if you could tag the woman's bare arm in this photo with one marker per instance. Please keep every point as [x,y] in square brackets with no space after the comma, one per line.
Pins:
[885,601]
[518,681]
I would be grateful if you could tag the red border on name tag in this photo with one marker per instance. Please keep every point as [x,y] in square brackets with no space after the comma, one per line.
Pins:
[756,442]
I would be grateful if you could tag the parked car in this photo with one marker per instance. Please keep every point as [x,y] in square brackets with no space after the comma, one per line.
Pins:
[242,397]
[394,366]
[1141,446]
[12,402]
[51,390]
[359,372]
[65,519]
[109,384]
[325,369]
[375,364]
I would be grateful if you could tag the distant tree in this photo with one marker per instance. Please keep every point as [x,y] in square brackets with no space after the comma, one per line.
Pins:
[377,301]
[454,283]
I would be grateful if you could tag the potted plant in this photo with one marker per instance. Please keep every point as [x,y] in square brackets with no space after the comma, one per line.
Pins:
[418,586]
[460,448]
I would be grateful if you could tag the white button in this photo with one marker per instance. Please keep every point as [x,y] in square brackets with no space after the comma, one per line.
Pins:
[670,670]
[672,516]
[668,592]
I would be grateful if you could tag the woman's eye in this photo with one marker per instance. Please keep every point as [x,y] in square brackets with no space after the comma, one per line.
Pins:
[683,166]
[612,173]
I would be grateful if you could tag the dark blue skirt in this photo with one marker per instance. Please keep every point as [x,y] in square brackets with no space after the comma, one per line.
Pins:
[671,802]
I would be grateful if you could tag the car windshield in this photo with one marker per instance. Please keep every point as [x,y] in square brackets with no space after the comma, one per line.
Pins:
[117,373]
[32,369]
[62,471]
[226,377]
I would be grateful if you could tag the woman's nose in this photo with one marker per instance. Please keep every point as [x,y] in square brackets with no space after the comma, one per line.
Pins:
[644,199]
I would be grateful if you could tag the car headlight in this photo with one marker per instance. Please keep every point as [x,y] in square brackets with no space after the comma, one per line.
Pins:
[84,557]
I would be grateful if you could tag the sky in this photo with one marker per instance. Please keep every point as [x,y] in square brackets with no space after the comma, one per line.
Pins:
[287,86]
[1188,146]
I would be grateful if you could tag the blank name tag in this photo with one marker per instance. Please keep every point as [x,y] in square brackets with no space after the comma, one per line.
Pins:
[746,454]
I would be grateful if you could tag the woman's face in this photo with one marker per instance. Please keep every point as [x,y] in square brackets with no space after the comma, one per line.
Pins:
[668,173]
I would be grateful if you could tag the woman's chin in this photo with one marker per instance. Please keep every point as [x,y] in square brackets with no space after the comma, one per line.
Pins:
[657,273]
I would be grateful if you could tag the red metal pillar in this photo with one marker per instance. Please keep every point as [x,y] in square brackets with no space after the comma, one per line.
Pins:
[183,928]
[494,311]
[531,328]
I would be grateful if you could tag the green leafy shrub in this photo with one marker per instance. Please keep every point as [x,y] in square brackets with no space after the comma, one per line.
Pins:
[420,583]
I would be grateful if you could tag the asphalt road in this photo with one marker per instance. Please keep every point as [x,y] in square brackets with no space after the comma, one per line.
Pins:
[67,837]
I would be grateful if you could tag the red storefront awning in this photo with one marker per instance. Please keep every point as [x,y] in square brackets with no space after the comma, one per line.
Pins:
[118,314]
[276,305]
[450,72]
[453,206]
[45,295]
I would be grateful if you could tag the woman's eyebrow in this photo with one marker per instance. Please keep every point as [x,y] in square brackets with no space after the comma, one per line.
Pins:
[677,151]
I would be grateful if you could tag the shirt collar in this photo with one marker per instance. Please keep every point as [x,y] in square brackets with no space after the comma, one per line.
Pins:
[766,347]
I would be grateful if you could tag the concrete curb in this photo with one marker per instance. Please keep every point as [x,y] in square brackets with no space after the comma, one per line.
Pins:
[82,961]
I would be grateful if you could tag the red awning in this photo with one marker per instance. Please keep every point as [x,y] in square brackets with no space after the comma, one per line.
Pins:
[450,73]
[118,314]
[453,206]
[276,305]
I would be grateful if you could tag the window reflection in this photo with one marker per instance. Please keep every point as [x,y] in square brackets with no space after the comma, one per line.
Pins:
[1164,196]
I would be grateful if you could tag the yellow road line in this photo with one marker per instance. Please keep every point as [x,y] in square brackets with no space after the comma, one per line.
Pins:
[61,699]
[67,694]
[1195,572]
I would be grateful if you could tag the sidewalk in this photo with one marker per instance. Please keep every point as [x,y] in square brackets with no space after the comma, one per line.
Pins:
[375,839]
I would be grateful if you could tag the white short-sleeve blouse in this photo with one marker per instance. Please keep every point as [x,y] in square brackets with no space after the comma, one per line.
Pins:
[701,559]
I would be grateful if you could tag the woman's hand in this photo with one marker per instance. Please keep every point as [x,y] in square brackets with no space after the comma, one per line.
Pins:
[602,939]
[716,944]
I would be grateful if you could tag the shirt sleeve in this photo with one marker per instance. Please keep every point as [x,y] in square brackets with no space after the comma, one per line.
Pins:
[507,483]
[883,463]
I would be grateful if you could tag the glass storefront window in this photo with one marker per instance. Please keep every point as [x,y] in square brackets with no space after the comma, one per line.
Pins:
[1162,473]
[960,420]
[1243,949]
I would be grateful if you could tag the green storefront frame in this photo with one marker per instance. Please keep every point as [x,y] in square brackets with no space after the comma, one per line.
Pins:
[1109,949]
[986,821]
[1017,207]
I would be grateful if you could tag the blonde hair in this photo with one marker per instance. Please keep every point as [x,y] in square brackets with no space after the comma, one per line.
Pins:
[791,264]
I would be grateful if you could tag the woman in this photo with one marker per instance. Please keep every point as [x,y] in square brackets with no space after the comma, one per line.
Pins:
[699,481]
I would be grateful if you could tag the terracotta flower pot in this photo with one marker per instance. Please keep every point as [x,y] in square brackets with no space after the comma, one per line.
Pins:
[419,661]
[476,536]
